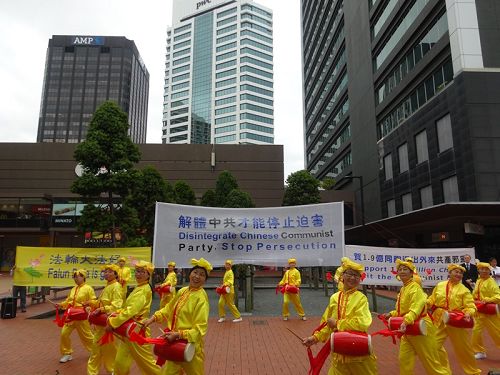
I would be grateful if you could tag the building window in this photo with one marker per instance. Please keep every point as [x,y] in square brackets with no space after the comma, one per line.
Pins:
[426,196]
[391,208]
[388,167]
[450,189]
[407,205]
[445,138]
[421,145]
[403,158]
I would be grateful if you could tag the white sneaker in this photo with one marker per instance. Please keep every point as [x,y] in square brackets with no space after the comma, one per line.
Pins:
[303,318]
[237,320]
[480,355]
[285,318]
[221,320]
[65,358]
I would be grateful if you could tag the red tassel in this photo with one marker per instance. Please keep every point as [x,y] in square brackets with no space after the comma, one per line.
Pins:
[106,338]
[58,320]
[318,362]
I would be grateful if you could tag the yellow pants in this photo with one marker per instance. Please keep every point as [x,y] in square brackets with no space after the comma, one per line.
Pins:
[460,339]
[492,325]
[104,354]
[84,331]
[195,367]
[141,354]
[366,365]
[295,299]
[228,299]
[423,347]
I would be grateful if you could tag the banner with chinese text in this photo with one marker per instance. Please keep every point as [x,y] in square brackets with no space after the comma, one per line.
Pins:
[313,234]
[380,262]
[54,266]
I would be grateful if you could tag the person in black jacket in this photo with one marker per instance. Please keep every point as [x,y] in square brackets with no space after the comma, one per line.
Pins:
[470,274]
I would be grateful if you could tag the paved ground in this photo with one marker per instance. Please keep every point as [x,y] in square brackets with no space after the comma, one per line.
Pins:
[260,344]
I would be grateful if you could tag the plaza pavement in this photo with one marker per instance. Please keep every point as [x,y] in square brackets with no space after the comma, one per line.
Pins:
[260,344]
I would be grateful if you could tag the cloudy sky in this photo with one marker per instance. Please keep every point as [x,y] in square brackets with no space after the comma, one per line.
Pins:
[27,25]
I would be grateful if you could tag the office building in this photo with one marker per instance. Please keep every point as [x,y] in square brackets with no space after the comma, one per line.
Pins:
[219,73]
[81,72]
[402,105]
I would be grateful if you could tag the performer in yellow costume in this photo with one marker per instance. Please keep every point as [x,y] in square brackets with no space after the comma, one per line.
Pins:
[187,319]
[228,299]
[136,307]
[123,276]
[292,277]
[338,274]
[411,304]
[110,300]
[79,294]
[486,291]
[170,280]
[347,311]
[452,295]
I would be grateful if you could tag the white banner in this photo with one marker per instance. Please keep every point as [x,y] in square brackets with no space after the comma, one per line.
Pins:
[313,234]
[380,262]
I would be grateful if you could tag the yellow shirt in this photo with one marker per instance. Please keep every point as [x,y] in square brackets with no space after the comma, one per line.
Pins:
[78,295]
[411,302]
[291,277]
[447,296]
[110,299]
[171,279]
[486,290]
[191,309]
[136,306]
[228,280]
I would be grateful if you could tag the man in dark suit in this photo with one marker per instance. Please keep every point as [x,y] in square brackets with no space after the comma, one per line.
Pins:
[470,274]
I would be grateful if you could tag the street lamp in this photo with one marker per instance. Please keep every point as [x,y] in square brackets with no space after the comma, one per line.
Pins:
[362,202]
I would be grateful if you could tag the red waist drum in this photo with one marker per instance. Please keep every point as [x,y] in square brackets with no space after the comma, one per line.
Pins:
[165,289]
[418,328]
[488,308]
[126,328]
[177,351]
[291,289]
[456,319]
[351,343]
[223,289]
[98,319]
[75,313]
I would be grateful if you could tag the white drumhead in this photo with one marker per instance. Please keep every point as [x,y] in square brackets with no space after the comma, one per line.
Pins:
[423,327]
[189,351]
[446,317]
[332,342]
[370,348]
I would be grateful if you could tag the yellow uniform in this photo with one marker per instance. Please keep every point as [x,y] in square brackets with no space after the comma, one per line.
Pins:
[77,295]
[448,296]
[123,277]
[171,280]
[351,312]
[228,299]
[411,305]
[109,301]
[486,290]
[188,315]
[292,277]
[136,307]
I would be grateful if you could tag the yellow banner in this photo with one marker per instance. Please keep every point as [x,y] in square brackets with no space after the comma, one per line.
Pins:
[54,266]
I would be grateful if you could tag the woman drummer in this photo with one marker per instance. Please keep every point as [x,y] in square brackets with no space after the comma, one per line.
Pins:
[110,300]
[411,305]
[228,299]
[452,295]
[187,319]
[486,291]
[171,281]
[347,311]
[80,293]
[136,307]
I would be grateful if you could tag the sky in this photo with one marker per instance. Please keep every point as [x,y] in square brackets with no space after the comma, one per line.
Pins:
[27,25]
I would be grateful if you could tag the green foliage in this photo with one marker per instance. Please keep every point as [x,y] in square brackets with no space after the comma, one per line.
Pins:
[328,183]
[184,194]
[301,188]
[238,199]
[225,183]
[208,199]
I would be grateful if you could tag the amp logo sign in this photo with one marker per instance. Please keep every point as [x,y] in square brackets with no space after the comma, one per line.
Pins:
[88,40]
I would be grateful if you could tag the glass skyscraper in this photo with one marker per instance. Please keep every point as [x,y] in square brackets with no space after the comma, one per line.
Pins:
[81,72]
[219,73]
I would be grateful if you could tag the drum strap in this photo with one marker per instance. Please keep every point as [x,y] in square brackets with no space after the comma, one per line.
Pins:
[479,285]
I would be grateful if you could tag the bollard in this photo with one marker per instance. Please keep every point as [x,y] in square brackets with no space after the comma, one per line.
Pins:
[248,290]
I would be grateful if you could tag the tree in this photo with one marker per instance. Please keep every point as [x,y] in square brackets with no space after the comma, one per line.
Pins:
[238,199]
[301,188]
[149,187]
[184,194]
[208,199]
[328,183]
[223,186]
[107,156]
